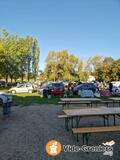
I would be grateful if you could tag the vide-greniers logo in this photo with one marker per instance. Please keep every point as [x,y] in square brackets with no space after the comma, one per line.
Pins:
[53,148]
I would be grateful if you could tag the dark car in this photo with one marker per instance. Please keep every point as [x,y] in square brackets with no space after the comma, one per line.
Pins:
[43,86]
[54,89]
[3,84]
[84,86]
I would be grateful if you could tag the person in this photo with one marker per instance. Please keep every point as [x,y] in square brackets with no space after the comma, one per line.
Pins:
[110,87]
[6,106]
[66,91]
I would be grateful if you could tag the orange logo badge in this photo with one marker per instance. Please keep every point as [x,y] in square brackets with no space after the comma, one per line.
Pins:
[53,148]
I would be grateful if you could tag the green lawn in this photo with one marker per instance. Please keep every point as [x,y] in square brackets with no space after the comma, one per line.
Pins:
[25,99]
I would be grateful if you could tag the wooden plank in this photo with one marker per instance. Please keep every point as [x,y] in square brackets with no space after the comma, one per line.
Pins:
[82,102]
[62,116]
[115,98]
[93,111]
[96,129]
[79,107]
[79,99]
[107,101]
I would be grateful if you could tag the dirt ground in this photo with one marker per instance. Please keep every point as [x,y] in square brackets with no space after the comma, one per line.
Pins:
[24,135]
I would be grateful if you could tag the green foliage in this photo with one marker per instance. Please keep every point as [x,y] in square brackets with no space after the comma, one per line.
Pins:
[17,56]
[61,65]
[109,70]
[64,66]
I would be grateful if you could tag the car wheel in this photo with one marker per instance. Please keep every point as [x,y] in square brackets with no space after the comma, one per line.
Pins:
[13,91]
[116,91]
[30,91]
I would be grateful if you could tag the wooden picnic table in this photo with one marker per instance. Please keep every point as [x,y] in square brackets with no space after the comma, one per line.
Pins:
[102,111]
[115,99]
[87,101]
[79,99]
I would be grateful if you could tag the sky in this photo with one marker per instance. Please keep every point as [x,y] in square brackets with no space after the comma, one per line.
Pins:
[82,27]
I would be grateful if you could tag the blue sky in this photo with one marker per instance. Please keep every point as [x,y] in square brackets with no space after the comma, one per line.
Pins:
[83,27]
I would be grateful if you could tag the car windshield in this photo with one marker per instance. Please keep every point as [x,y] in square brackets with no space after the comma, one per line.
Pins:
[28,85]
[21,86]
[55,85]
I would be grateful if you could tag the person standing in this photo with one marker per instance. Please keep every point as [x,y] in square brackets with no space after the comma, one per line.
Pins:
[110,87]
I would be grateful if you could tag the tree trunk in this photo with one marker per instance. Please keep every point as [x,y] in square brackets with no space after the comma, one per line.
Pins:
[22,77]
[11,77]
[6,78]
[28,77]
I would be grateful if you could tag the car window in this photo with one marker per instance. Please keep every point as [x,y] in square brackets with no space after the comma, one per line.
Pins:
[28,85]
[21,86]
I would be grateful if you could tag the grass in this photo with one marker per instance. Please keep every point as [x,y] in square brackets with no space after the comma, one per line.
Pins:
[26,99]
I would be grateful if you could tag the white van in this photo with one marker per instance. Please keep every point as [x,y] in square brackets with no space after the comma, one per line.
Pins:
[116,83]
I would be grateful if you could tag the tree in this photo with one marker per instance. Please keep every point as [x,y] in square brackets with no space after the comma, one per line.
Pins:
[61,65]
[115,70]
[17,57]
[35,58]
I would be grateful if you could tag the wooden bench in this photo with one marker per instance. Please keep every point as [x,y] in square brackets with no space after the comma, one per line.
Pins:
[88,130]
[107,102]
[88,103]
[62,116]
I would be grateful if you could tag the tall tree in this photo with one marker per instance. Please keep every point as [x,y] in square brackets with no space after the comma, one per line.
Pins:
[17,56]
[61,65]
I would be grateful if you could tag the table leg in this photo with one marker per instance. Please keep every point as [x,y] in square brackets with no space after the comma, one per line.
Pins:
[66,123]
[107,104]
[114,120]
[77,121]
[77,137]
[107,120]
[83,139]
[71,122]
[104,120]
[113,104]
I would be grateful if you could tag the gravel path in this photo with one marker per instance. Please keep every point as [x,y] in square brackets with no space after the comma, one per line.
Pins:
[23,136]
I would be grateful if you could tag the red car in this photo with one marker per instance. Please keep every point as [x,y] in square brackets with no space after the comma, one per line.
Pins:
[54,89]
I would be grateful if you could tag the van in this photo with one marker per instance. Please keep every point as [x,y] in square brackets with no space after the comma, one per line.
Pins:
[116,83]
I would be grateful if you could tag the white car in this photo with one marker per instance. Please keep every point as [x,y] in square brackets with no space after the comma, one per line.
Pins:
[23,88]
[116,89]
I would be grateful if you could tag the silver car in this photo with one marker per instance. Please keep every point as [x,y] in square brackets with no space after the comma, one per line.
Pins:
[23,88]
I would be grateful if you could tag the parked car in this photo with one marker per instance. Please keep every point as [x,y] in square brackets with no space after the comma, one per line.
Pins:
[116,83]
[3,84]
[116,89]
[23,88]
[43,86]
[84,86]
[54,89]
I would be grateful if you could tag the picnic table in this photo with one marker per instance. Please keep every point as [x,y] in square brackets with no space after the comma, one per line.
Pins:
[115,99]
[104,112]
[88,101]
